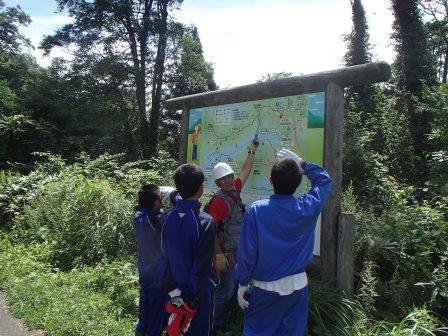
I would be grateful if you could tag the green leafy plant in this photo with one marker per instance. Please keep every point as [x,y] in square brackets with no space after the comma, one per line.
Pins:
[85,220]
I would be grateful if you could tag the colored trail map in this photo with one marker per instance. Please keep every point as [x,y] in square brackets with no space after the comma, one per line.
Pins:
[223,134]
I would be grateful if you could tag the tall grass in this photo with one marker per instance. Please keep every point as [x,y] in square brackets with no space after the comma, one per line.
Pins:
[84,220]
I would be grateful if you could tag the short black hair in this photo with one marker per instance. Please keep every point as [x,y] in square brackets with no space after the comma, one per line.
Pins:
[147,195]
[285,176]
[188,178]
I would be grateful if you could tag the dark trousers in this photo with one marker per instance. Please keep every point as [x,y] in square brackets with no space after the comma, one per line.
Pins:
[202,324]
[225,297]
[151,317]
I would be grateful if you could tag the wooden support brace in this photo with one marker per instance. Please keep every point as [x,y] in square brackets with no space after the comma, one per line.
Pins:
[345,257]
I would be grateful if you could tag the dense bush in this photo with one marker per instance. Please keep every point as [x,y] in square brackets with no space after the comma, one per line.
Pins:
[84,219]
[18,190]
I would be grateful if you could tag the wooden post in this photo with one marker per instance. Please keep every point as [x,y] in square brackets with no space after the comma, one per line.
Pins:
[334,119]
[183,136]
[345,257]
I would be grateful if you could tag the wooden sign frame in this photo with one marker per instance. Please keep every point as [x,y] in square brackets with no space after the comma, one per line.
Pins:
[333,84]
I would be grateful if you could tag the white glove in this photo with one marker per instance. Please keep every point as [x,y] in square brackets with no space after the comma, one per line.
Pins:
[175,292]
[286,153]
[241,301]
[166,191]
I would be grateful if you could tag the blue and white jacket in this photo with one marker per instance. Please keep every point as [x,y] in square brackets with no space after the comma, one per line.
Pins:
[188,237]
[277,238]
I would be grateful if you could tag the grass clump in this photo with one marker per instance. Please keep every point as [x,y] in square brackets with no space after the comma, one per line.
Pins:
[84,220]
[99,300]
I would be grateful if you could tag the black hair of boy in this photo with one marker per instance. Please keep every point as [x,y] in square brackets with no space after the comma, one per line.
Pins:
[188,178]
[285,177]
[147,195]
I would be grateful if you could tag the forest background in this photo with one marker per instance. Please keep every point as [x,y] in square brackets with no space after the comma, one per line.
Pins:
[79,137]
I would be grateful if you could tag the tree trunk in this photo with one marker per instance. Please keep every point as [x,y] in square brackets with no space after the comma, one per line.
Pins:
[445,65]
[159,69]
[140,71]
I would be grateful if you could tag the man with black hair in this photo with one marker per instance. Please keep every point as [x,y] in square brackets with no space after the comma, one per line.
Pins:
[152,268]
[188,236]
[276,245]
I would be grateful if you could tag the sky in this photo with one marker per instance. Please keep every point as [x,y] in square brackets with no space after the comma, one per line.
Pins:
[245,39]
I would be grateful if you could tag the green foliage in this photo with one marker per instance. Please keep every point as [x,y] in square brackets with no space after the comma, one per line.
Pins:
[368,288]
[414,67]
[419,322]
[349,201]
[414,63]
[189,73]
[329,310]
[100,300]
[87,220]
[436,100]
[11,18]
[358,45]
[273,76]
[16,190]
[407,243]
[437,28]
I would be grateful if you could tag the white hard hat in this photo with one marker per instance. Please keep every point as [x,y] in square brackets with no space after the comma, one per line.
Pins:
[222,169]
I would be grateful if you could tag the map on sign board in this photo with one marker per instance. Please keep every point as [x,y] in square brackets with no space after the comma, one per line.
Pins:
[223,134]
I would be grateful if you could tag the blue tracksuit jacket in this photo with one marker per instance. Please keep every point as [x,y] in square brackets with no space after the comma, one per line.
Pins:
[188,236]
[151,265]
[277,238]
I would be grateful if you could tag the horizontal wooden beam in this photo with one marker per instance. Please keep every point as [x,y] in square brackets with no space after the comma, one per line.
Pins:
[362,74]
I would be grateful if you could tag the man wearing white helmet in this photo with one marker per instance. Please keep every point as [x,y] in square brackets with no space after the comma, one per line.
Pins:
[227,209]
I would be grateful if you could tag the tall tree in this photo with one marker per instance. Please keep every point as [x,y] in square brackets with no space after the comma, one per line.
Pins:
[437,10]
[157,78]
[358,52]
[11,18]
[362,136]
[414,64]
[414,67]
[132,31]
[187,73]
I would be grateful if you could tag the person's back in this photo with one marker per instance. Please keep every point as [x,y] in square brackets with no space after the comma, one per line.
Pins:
[188,236]
[276,244]
[185,232]
[150,261]
[153,270]
[286,225]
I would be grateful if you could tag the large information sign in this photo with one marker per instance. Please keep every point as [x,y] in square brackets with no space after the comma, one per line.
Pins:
[223,133]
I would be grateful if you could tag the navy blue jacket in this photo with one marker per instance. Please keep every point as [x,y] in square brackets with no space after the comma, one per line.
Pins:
[152,267]
[277,238]
[188,236]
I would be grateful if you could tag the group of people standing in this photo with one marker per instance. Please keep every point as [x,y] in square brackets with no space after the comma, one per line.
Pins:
[193,264]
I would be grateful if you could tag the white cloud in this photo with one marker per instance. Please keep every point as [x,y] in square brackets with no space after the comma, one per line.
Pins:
[301,37]
[51,20]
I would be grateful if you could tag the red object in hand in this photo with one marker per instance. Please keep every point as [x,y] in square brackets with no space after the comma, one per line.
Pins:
[180,318]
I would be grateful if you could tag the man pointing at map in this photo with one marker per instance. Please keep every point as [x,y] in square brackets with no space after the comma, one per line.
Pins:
[227,209]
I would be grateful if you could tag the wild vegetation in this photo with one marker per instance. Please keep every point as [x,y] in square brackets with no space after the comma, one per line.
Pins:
[73,152]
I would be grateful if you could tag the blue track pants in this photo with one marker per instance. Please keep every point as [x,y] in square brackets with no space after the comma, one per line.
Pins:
[270,314]
[151,316]
[202,324]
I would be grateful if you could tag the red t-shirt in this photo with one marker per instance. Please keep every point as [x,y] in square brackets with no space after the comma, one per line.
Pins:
[218,207]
